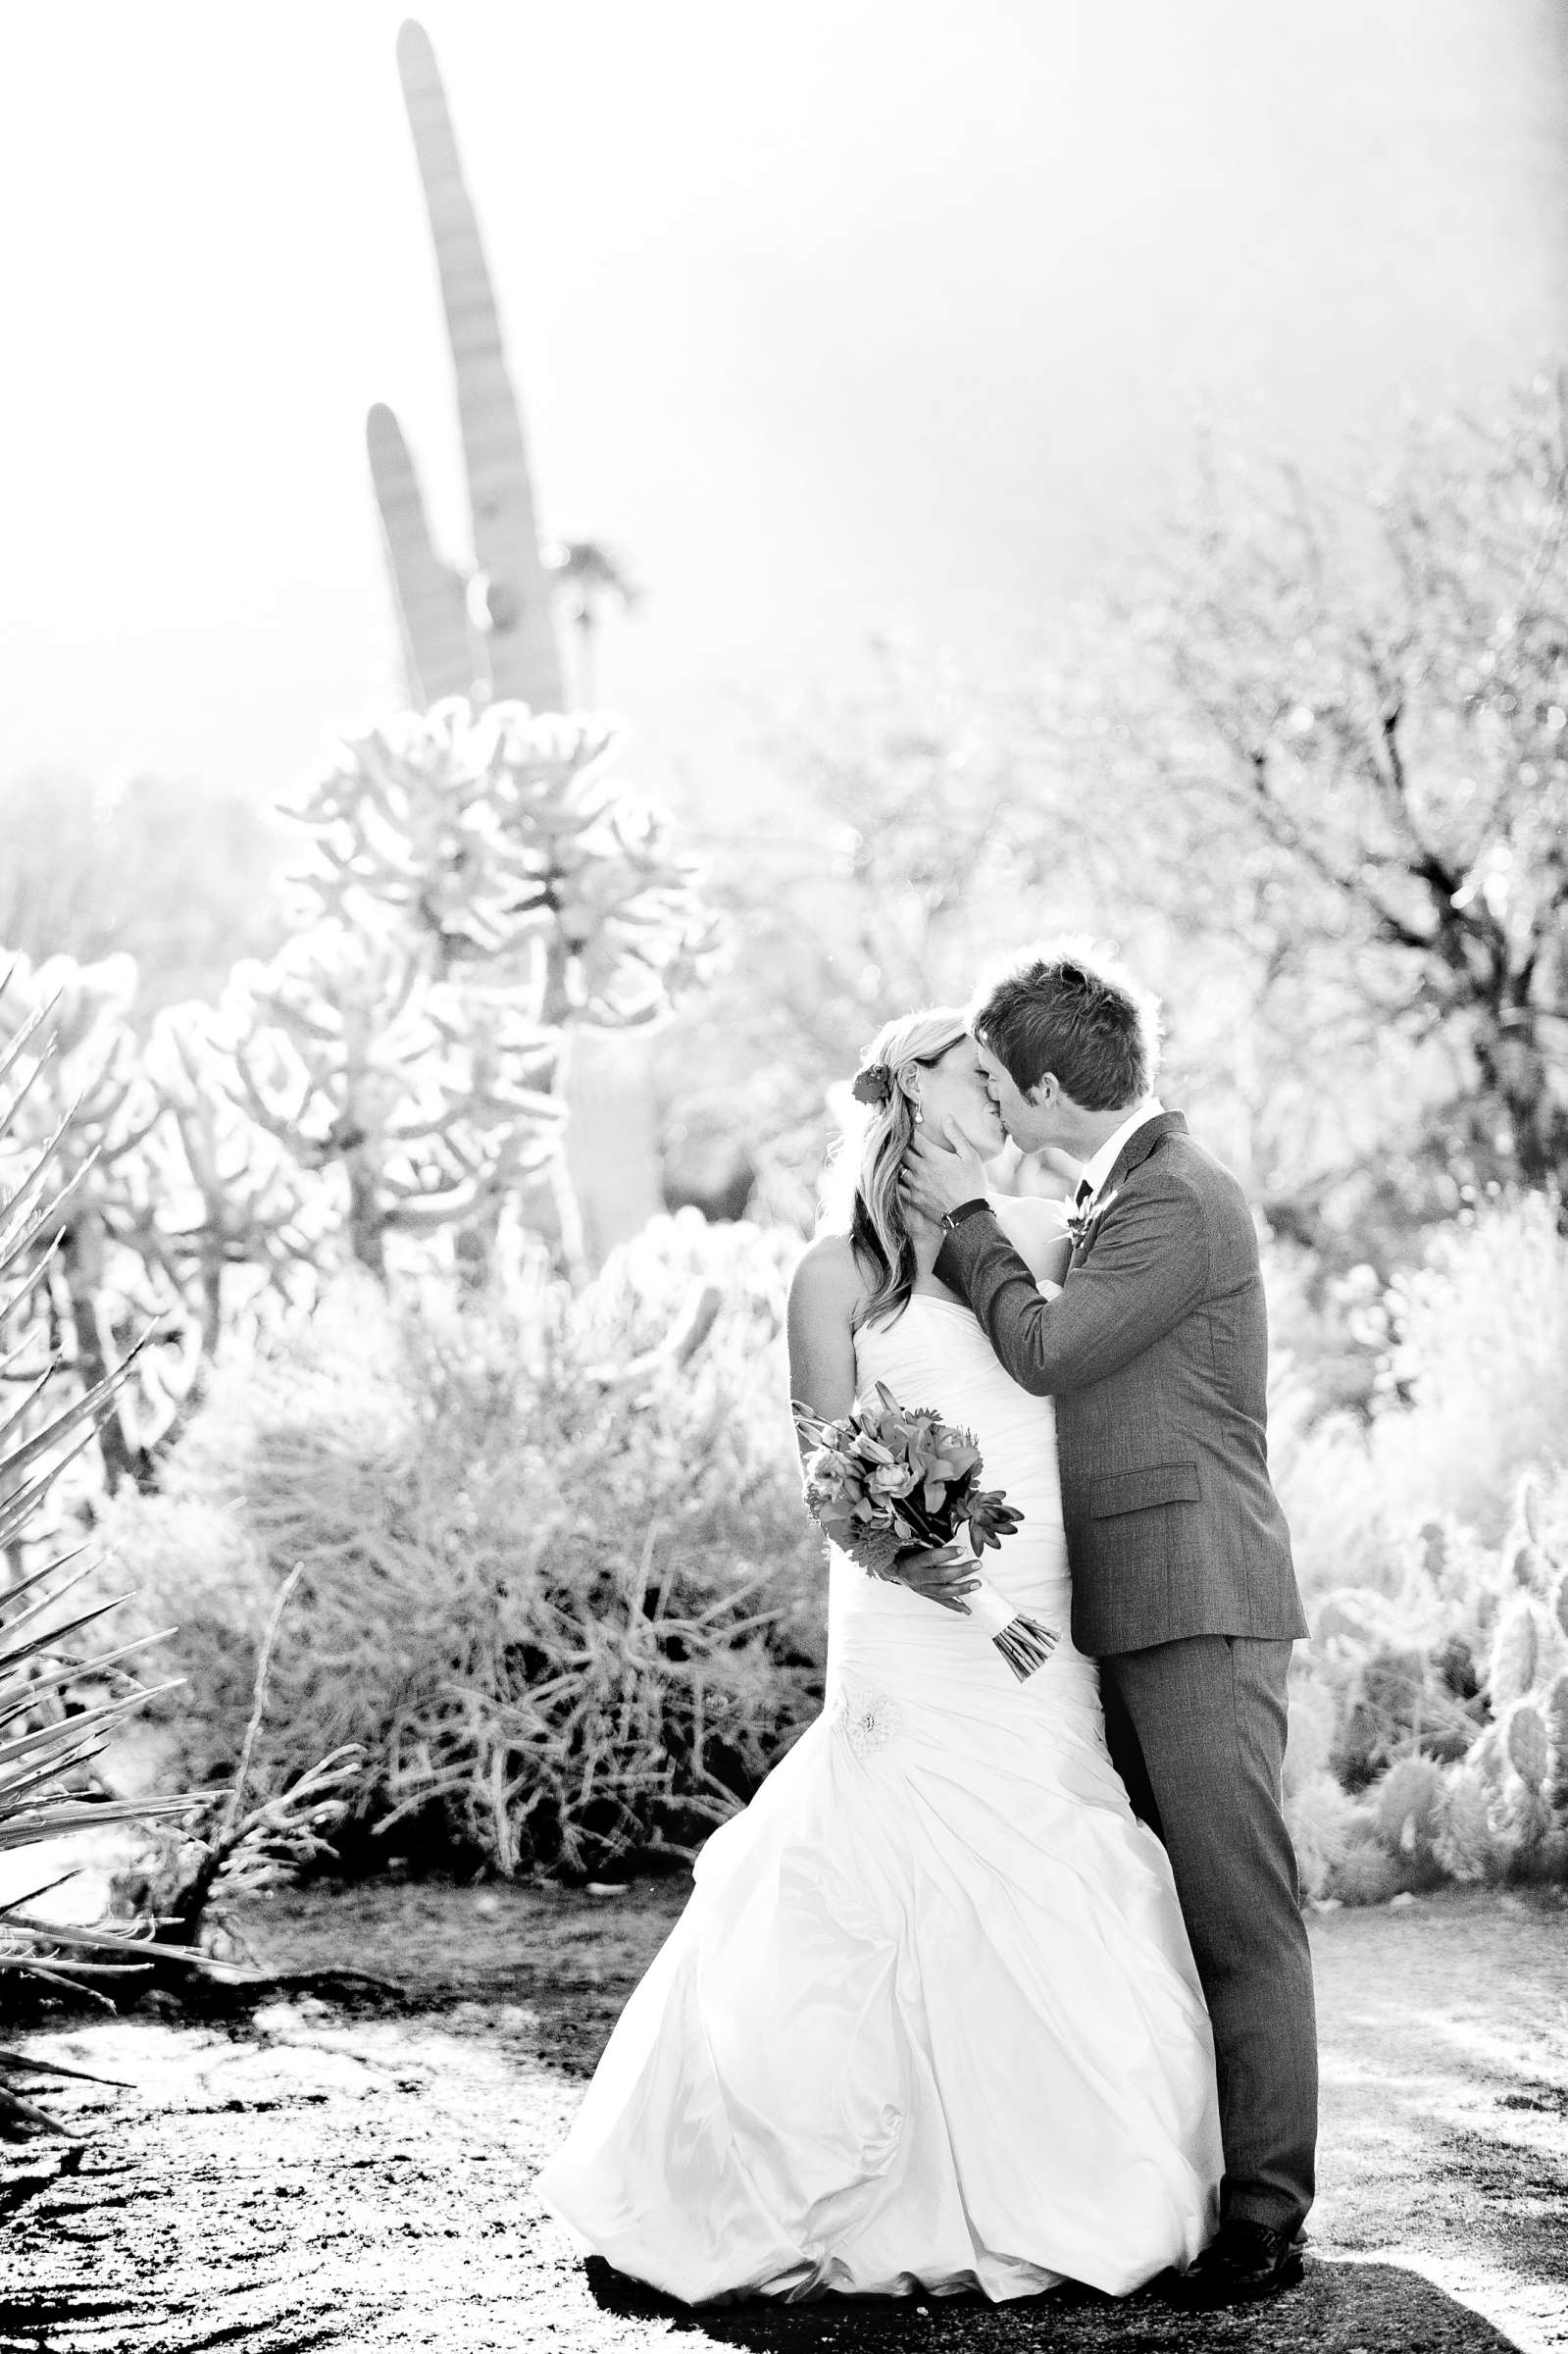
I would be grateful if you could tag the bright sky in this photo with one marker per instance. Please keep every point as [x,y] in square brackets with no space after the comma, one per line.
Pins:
[856,314]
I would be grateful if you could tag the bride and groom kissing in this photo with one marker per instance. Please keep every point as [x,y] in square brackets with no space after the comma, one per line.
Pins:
[998,1983]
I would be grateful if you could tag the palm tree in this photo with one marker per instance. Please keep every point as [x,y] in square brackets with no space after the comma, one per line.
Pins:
[588,579]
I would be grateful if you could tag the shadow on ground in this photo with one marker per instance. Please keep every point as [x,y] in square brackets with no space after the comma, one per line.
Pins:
[566,1957]
[349,2164]
[1336,2309]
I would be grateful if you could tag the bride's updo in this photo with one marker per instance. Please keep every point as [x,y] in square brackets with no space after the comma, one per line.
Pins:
[861,1193]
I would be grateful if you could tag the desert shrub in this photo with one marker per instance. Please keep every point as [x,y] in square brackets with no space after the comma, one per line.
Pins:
[558,1582]
[1432,1539]
[1473,1392]
[1480,1347]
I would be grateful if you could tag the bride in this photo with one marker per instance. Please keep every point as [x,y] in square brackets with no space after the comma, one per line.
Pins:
[930,2022]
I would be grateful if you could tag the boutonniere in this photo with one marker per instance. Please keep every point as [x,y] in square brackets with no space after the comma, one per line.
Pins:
[1081,1224]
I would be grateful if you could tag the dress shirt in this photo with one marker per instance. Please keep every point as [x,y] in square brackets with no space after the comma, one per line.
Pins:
[1100,1164]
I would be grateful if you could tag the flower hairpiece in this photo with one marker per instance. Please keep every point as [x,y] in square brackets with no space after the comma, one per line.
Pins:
[872,1084]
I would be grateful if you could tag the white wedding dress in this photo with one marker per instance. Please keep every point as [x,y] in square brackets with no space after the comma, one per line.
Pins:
[930,2020]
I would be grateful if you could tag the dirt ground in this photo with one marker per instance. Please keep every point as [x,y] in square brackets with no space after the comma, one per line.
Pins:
[352,2168]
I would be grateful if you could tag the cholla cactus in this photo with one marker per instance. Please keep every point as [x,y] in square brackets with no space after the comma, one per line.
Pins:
[351,1056]
[493,840]
[83,1057]
[488,851]
[85,1101]
[212,1194]
[167,1190]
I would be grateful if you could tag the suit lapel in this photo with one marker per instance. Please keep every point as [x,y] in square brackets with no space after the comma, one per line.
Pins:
[1133,1155]
[1139,1146]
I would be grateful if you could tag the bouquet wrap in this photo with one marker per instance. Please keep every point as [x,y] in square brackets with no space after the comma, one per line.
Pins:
[888,1483]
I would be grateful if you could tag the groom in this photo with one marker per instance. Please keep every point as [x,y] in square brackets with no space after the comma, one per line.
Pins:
[1157,1354]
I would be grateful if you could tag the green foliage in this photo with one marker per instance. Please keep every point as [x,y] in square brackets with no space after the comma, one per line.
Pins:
[557,1583]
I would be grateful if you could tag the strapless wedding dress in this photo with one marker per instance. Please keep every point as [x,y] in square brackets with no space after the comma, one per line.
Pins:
[930,2020]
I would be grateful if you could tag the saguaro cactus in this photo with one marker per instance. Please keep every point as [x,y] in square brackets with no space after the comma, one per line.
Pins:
[442,655]
[498,640]
[510,595]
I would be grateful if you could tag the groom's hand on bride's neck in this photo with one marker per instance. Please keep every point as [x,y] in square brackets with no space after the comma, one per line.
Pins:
[938,1177]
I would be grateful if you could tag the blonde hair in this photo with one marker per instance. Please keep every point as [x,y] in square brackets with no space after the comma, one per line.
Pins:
[861,1196]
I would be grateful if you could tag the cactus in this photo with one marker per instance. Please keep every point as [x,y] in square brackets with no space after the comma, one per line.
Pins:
[1388,1707]
[1467,1845]
[1407,1805]
[510,597]
[1321,1821]
[211,1195]
[362,1066]
[492,845]
[1312,1731]
[505,647]
[1526,1740]
[440,653]
[86,1105]
[1366,1874]
[173,1195]
[1517,1650]
[1555,1709]
[493,842]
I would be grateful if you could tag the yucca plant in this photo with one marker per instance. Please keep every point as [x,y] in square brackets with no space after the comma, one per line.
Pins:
[59,1701]
[227,1843]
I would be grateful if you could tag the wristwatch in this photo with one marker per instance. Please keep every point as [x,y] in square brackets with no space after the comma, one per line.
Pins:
[953,1218]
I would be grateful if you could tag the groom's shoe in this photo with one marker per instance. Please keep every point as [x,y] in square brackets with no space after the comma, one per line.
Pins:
[1241,2264]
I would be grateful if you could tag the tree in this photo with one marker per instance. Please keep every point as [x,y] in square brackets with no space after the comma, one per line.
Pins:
[181,878]
[918,833]
[1342,728]
[589,580]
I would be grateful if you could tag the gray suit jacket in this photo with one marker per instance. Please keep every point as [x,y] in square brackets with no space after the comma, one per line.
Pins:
[1157,1354]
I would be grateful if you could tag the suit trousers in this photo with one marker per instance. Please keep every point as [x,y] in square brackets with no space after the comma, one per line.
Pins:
[1197,1729]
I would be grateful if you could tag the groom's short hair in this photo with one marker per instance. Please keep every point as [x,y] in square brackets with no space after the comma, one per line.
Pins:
[1082,1021]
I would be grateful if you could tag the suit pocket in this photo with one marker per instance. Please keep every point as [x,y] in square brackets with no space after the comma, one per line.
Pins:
[1143,1491]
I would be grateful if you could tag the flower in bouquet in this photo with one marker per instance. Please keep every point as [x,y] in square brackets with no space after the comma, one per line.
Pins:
[888,1483]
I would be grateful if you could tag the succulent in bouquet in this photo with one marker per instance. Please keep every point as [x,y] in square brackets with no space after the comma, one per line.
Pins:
[888,1484]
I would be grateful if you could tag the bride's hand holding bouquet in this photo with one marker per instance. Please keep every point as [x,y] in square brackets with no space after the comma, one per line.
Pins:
[895,1488]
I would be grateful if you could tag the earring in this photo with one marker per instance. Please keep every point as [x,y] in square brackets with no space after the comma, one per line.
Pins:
[919,1117]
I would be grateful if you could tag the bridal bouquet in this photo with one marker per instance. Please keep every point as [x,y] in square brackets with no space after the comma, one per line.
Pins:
[890,1479]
